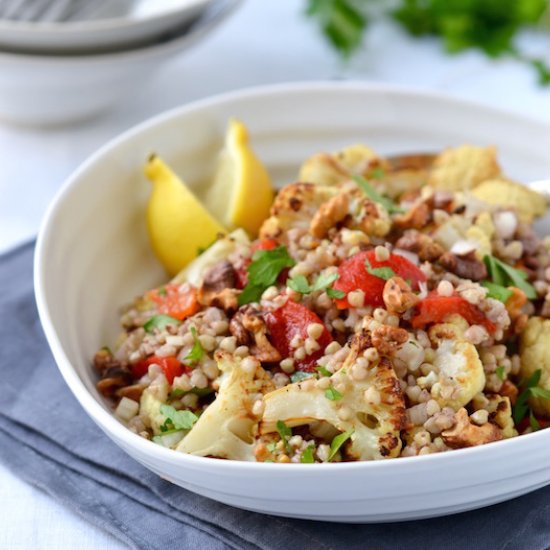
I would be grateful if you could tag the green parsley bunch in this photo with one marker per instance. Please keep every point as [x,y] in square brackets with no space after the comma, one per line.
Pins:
[487,25]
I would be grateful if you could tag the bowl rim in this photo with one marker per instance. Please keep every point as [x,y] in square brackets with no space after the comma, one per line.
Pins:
[206,21]
[121,433]
[95,25]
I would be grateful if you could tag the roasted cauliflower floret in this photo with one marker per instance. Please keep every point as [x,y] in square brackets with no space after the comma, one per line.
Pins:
[508,194]
[336,168]
[464,167]
[228,426]
[500,413]
[458,373]
[373,408]
[535,354]
[219,251]
[294,207]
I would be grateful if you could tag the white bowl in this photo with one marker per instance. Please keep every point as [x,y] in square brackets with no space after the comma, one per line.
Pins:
[48,89]
[126,24]
[93,254]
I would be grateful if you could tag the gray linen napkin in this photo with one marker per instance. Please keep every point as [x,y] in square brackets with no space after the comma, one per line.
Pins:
[47,439]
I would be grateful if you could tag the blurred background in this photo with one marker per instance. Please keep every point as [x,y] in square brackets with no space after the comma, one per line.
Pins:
[65,93]
[74,74]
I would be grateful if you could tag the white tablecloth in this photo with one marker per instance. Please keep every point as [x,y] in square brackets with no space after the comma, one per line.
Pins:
[264,42]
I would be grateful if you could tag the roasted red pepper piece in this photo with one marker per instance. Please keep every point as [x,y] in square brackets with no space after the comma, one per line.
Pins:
[288,321]
[171,301]
[169,365]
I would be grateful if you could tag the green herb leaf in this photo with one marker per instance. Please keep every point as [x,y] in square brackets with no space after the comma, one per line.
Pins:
[299,284]
[341,21]
[263,272]
[505,275]
[176,393]
[381,272]
[298,376]
[271,447]
[501,372]
[496,291]
[307,455]
[324,281]
[162,291]
[160,322]
[323,371]
[333,394]
[377,173]
[337,443]
[335,294]
[374,195]
[541,393]
[285,433]
[179,420]
[530,388]
[196,353]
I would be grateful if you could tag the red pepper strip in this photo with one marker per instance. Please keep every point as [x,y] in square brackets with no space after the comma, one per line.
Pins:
[171,301]
[170,366]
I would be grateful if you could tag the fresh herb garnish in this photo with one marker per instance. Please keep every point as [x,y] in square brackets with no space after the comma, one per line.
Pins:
[271,447]
[196,353]
[533,422]
[300,284]
[199,392]
[298,376]
[307,455]
[323,371]
[380,272]
[530,389]
[162,291]
[335,294]
[176,420]
[496,291]
[501,372]
[161,322]
[374,195]
[333,394]
[263,271]
[505,275]
[341,21]
[337,443]
[285,433]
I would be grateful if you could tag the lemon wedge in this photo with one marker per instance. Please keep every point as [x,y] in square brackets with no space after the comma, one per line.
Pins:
[178,224]
[241,193]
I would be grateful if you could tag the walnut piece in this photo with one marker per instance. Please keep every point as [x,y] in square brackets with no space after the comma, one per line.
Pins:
[398,295]
[465,434]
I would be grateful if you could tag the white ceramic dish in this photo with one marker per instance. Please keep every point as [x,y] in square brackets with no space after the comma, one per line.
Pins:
[45,90]
[120,23]
[93,254]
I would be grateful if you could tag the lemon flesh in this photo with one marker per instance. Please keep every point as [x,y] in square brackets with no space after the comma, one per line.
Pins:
[178,224]
[241,193]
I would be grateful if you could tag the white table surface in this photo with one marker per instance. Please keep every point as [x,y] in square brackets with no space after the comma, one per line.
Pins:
[264,42]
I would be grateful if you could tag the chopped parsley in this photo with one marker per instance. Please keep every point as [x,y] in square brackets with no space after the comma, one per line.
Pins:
[501,372]
[337,443]
[263,271]
[496,291]
[375,196]
[271,447]
[335,294]
[323,282]
[323,371]
[380,272]
[333,394]
[307,455]
[176,420]
[530,389]
[505,275]
[298,376]
[162,291]
[199,392]
[285,433]
[161,322]
[196,353]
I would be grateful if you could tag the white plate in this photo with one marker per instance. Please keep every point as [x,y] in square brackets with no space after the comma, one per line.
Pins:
[93,254]
[45,90]
[136,23]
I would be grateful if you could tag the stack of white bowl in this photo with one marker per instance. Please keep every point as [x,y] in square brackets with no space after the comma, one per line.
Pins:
[59,71]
